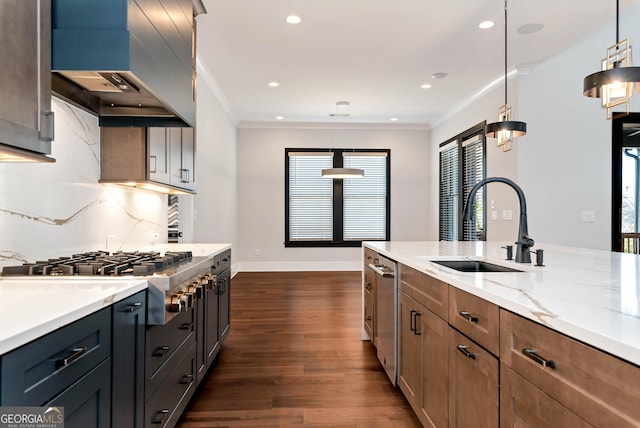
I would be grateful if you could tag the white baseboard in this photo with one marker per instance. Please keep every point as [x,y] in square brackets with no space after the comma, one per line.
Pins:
[298,266]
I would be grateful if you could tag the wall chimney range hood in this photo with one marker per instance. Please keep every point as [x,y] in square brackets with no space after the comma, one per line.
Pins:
[131,62]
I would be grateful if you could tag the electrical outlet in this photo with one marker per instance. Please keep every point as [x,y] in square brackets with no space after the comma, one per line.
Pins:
[153,236]
[588,216]
[256,251]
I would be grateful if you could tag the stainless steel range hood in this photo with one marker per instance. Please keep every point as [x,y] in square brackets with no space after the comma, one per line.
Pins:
[131,62]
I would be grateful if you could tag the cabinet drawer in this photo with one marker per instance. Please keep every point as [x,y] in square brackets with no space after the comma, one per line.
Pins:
[36,372]
[369,310]
[476,318]
[369,285]
[581,378]
[368,256]
[163,341]
[167,403]
[521,401]
[426,290]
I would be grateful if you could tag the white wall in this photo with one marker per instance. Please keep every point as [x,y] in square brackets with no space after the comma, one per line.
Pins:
[261,202]
[566,164]
[214,206]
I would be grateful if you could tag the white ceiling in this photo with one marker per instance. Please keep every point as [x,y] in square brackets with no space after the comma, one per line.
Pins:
[376,53]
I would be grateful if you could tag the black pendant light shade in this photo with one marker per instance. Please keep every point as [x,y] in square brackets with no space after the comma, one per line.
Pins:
[594,83]
[518,129]
[505,130]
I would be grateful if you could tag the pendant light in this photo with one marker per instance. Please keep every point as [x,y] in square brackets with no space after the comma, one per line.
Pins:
[615,83]
[505,130]
[342,110]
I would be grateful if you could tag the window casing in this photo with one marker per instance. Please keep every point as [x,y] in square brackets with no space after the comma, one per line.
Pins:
[328,212]
[462,165]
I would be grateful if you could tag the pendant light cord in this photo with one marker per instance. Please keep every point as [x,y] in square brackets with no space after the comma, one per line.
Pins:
[617,23]
[505,54]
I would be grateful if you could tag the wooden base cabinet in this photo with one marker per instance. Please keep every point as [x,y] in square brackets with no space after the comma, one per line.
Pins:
[423,372]
[473,384]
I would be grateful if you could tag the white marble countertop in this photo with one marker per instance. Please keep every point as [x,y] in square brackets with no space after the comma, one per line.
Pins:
[32,308]
[591,295]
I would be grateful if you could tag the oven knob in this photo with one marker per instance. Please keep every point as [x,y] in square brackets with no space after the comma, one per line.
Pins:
[187,298]
[176,304]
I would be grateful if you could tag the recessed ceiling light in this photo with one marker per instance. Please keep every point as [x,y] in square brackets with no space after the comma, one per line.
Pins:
[394,119]
[530,28]
[274,84]
[425,86]
[293,19]
[486,24]
[439,75]
[279,117]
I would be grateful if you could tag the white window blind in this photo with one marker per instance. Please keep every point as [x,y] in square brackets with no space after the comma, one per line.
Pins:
[365,199]
[449,197]
[310,197]
[473,159]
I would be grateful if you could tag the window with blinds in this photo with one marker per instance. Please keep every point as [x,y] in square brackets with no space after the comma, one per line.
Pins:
[332,212]
[473,172]
[462,165]
[310,197]
[365,199]
[449,183]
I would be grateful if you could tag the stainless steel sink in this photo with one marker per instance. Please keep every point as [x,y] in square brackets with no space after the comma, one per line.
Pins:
[473,266]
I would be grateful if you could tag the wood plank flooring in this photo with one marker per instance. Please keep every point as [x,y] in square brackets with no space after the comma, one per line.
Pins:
[295,358]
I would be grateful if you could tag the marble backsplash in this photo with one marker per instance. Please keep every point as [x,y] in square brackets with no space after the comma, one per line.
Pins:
[49,210]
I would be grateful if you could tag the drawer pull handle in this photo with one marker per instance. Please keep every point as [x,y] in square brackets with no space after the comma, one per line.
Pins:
[188,378]
[368,286]
[75,354]
[133,307]
[415,324]
[466,315]
[466,353]
[368,318]
[186,325]
[161,351]
[163,415]
[412,324]
[531,353]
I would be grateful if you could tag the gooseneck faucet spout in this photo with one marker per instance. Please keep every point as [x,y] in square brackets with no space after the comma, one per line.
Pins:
[524,242]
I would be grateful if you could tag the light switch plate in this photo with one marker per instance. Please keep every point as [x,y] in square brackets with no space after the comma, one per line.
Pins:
[588,216]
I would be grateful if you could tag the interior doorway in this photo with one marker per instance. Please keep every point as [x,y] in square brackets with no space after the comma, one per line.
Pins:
[625,192]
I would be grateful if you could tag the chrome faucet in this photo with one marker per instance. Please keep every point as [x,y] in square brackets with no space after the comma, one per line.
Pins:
[524,242]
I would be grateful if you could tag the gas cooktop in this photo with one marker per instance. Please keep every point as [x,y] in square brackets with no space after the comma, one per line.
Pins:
[103,263]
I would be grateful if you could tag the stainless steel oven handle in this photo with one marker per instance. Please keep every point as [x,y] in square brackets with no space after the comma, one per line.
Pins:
[379,271]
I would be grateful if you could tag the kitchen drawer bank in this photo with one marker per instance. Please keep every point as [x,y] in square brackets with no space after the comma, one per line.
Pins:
[74,367]
[491,367]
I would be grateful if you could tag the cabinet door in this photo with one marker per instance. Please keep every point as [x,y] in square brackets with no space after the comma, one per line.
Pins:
[410,351]
[189,158]
[224,311]
[26,120]
[174,140]
[434,410]
[473,384]
[524,405]
[158,155]
[87,403]
[128,361]
[212,299]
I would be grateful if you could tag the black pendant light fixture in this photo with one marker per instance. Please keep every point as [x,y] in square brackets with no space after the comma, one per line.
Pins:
[615,83]
[505,130]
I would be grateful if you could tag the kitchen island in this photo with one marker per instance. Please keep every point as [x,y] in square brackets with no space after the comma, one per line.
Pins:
[562,337]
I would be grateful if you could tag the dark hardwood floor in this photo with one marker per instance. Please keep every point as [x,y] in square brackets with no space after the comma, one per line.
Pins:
[295,358]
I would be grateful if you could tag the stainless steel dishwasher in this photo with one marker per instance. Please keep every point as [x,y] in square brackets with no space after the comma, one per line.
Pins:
[386,324]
